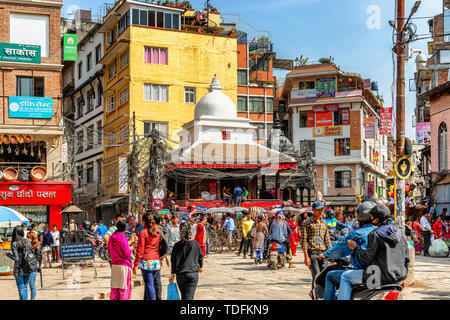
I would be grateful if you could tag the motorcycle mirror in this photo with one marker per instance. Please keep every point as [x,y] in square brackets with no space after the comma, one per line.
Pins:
[318,240]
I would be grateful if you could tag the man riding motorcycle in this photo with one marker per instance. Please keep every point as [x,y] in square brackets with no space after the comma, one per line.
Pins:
[332,222]
[386,255]
[342,250]
[279,231]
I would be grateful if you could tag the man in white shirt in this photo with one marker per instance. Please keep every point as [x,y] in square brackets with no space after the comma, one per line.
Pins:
[427,232]
[55,245]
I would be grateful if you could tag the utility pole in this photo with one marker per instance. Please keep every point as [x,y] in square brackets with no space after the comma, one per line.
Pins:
[400,114]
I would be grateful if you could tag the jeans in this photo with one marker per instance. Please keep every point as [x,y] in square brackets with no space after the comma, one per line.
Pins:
[207,246]
[426,242]
[149,280]
[32,284]
[187,283]
[237,201]
[55,253]
[22,286]
[332,281]
[316,264]
[241,245]
[349,278]
[248,244]
[157,284]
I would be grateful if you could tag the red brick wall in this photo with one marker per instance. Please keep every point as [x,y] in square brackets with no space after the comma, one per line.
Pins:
[439,112]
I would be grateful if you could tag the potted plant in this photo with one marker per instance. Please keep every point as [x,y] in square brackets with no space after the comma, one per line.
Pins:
[159,2]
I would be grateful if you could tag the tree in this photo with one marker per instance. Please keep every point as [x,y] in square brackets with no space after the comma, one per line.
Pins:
[326,60]
[300,61]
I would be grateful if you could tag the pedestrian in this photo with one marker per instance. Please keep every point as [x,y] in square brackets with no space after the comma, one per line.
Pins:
[445,213]
[113,228]
[244,194]
[162,257]
[247,225]
[47,242]
[229,226]
[418,245]
[315,240]
[22,270]
[33,237]
[147,255]
[101,229]
[261,231]
[187,262]
[55,245]
[201,236]
[25,229]
[427,232]
[437,227]
[226,195]
[208,227]
[193,227]
[94,227]
[237,196]
[293,238]
[120,251]
[446,230]
[72,225]
[173,232]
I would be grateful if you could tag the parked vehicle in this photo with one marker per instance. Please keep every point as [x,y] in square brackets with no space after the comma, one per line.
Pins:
[277,255]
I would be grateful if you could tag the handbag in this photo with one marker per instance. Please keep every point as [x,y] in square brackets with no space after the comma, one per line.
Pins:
[172,292]
[163,246]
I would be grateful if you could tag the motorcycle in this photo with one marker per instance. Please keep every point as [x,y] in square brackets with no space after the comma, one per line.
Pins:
[360,291]
[277,255]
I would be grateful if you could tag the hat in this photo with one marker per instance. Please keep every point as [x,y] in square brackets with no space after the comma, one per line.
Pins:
[317,205]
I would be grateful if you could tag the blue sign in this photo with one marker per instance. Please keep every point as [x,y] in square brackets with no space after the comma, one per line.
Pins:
[30,107]
[77,251]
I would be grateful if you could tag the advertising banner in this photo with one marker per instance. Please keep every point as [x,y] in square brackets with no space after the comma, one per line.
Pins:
[349,93]
[325,87]
[423,133]
[20,53]
[327,131]
[324,119]
[70,47]
[370,188]
[30,107]
[386,121]
[345,116]
[303,94]
[123,175]
[64,152]
[369,131]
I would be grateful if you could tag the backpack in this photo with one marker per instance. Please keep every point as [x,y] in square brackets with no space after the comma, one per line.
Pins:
[30,261]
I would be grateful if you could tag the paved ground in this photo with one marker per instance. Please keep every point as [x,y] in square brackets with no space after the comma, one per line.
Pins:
[226,276]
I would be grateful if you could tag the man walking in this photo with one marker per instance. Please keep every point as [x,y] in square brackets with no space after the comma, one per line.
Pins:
[315,240]
[229,227]
[237,196]
[55,245]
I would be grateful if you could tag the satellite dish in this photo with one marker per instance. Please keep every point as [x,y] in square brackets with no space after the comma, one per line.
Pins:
[158,194]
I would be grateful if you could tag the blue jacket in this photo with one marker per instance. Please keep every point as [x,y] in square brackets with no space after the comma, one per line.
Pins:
[332,223]
[341,249]
[229,224]
[101,230]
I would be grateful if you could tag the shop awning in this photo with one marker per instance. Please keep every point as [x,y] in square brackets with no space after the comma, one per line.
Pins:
[344,203]
[110,202]
[72,210]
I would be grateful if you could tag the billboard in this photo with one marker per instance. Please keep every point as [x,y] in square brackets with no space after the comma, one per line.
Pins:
[303,94]
[327,131]
[70,47]
[325,87]
[423,132]
[30,107]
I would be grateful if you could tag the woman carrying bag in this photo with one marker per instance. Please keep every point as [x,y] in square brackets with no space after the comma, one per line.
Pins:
[187,262]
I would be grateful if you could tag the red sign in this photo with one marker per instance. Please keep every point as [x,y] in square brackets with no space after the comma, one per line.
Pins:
[326,108]
[324,119]
[371,120]
[35,193]
[319,109]
[370,188]
[345,116]
[157,204]
[386,121]
[310,119]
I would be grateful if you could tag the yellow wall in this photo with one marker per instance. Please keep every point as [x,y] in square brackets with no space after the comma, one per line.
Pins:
[193,60]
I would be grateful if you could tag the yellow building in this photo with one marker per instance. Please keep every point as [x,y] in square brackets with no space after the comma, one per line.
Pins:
[157,71]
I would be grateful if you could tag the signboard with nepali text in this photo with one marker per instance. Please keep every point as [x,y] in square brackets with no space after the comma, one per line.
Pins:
[327,131]
[303,94]
[70,47]
[76,252]
[30,107]
[386,121]
[35,193]
[20,53]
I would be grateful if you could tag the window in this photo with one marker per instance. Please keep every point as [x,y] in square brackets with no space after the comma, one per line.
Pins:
[99,94]
[30,87]
[307,146]
[30,29]
[143,15]
[99,132]
[123,96]
[306,85]
[341,117]
[112,69]
[123,60]
[124,22]
[111,174]
[242,104]
[90,173]
[89,62]
[343,179]
[189,95]
[256,104]
[156,92]
[98,53]
[135,16]
[80,70]
[112,138]
[90,101]
[80,137]
[124,132]
[160,20]
[152,18]
[155,55]
[111,103]
[175,21]
[80,177]
[161,127]
[269,105]
[303,121]
[111,35]
[90,137]
[342,147]
[442,147]
[80,104]
[99,171]
[444,56]
[242,77]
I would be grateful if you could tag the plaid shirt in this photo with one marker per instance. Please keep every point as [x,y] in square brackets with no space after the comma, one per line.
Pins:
[312,228]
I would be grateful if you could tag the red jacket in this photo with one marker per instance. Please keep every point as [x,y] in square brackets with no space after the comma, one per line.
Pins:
[147,247]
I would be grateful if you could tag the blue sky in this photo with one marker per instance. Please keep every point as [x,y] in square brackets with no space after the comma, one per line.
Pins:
[318,28]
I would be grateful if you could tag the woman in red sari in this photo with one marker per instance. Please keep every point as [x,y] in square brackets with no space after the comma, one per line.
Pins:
[418,245]
[294,238]
[200,235]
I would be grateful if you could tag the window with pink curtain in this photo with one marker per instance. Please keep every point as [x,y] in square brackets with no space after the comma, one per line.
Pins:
[163,56]
[155,55]
[147,55]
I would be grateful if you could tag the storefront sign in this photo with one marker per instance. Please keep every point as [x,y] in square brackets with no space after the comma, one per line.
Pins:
[35,193]
[20,53]
[70,47]
[345,116]
[349,93]
[423,133]
[324,119]
[369,131]
[386,121]
[327,131]
[325,87]
[370,188]
[76,252]
[375,157]
[64,152]
[123,175]
[370,120]
[30,107]
[403,167]
[303,94]
[388,166]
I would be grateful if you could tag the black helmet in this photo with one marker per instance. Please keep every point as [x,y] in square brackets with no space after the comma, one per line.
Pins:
[363,211]
[381,212]
[330,213]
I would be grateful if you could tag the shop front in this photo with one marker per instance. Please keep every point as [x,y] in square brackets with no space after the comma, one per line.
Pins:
[41,202]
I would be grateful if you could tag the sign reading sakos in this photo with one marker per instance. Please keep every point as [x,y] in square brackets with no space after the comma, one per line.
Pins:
[327,131]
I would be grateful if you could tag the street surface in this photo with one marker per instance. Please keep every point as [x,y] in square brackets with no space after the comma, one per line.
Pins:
[226,276]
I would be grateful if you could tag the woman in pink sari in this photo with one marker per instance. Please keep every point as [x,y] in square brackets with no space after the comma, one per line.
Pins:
[418,245]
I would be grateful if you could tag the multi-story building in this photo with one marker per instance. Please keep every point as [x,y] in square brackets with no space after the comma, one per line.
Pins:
[158,60]
[31,110]
[327,109]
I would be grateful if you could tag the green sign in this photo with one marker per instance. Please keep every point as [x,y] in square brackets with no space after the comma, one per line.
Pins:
[20,53]
[164,211]
[70,47]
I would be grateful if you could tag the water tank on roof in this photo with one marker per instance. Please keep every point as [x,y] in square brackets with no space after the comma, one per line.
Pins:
[374,86]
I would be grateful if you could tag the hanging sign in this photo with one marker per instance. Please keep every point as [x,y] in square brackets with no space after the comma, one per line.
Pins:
[386,121]
[30,107]
[123,175]
[157,204]
[423,133]
[403,167]
[370,188]
[20,53]
[64,151]
[345,116]
[70,47]
[369,132]
[370,120]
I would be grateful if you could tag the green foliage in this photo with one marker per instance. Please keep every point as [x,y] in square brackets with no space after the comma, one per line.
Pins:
[300,61]
[326,60]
